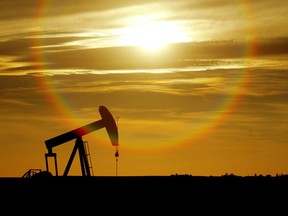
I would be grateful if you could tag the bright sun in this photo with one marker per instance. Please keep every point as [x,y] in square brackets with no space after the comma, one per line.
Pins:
[153,36]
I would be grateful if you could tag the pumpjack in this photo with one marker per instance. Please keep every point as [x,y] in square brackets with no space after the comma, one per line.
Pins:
[107,122]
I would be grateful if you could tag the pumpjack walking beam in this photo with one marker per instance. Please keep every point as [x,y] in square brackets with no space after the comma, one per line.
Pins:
[107,122]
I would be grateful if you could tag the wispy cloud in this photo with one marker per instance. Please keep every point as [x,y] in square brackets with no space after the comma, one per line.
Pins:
[63,53]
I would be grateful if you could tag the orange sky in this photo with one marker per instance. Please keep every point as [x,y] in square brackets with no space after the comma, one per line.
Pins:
[196,87]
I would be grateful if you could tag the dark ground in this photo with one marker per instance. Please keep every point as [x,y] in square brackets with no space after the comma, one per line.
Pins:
[146,194]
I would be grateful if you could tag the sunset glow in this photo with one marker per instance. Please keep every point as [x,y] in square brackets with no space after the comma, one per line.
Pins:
[197,87]
[153,36]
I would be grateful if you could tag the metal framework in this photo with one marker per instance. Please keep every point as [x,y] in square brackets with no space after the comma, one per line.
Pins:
[107,122]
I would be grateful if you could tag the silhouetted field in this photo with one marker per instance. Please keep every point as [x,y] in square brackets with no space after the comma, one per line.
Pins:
[164,193]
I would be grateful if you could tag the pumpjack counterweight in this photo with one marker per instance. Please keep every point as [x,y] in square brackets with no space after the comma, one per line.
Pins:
[107,122]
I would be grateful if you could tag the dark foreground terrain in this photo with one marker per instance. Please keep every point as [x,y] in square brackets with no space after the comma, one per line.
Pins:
[146,194]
